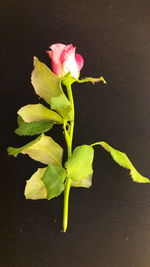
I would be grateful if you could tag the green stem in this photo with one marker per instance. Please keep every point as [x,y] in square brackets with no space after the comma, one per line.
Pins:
[69,138]
[66,204]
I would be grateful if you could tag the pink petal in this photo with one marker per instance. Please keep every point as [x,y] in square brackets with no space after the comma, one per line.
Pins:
[65,60]
[55,55]
[70,49]
[67,52]
[57,50]
[79,60]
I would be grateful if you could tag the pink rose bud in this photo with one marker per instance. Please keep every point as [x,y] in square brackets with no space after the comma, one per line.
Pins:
[64,60]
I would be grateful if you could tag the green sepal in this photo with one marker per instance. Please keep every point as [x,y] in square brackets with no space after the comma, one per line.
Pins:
[53,179]
[33,128]
[43,149]
[122,159]
[79,166]
[68,79]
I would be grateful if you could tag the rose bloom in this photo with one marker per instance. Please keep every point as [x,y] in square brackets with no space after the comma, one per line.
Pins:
[65,60]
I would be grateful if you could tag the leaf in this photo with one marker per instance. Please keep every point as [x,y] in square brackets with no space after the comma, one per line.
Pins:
[122,159]
[92,80]
[33,128]
[85,182]
[62,105]
[19,120]
[35,188]
[43,149]
[79,166]
[48,86]
[53,179]
[15,151]
[37,112]
[44,81]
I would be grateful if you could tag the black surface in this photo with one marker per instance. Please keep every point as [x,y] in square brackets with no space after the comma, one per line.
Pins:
[109,224]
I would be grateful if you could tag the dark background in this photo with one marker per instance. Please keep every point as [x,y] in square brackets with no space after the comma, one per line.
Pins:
[109,224]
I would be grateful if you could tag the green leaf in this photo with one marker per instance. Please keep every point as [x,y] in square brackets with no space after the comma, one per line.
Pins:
[37,112]
[53,179]
[43,149]
[15,151]
[44,81]
[85,182]
[33,128]
[19,120]
[79,166]
[48,86]
[62,105]
[122,159]
[35,188]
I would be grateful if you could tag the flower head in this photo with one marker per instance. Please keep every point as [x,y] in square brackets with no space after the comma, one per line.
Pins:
[65,60]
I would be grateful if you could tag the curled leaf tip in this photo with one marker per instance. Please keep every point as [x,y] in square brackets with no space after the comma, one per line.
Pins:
[92,80]
[103,80]
[35,59]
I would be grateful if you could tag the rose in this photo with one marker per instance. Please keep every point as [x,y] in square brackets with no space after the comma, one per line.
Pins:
[65,60]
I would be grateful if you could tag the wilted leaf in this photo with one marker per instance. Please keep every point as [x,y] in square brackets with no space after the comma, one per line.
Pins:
[43,149]
[92,80]
[44,81]
[84,182]
[35,188]
[122,159]
[37,112]
[48,86]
